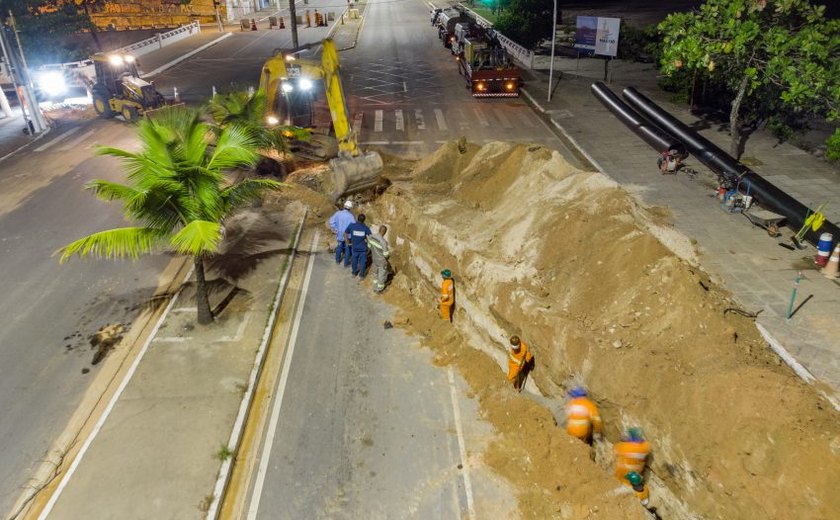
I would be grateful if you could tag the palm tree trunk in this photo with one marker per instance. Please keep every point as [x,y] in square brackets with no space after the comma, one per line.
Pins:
[202,298]
[734,124]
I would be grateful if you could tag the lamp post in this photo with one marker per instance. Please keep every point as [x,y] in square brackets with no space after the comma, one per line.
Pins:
[553,40]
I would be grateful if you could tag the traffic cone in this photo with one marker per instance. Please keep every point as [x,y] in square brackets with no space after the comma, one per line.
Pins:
[253,24]
[282,24]
[831,269]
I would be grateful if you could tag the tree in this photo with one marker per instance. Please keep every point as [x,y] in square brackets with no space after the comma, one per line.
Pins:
[177,193]
[527,22]
[776,49]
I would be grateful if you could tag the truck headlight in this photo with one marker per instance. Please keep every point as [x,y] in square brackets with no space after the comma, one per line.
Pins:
[305,83]
[287,87]
[116,59]
[51,83]
[272,120]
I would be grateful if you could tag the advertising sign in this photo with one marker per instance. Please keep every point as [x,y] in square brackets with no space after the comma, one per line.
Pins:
[597,35]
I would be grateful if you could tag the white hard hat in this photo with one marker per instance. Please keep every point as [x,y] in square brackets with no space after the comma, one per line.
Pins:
[348,204]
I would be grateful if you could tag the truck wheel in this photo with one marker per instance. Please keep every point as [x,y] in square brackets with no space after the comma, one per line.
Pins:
[129,113]
[100,104]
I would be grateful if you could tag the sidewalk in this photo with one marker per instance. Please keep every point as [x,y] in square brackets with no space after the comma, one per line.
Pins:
[759,273]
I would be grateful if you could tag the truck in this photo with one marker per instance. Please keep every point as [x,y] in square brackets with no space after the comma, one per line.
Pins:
[486,66]
[446,21]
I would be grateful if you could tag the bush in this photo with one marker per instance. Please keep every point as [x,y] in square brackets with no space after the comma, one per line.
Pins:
[832,144]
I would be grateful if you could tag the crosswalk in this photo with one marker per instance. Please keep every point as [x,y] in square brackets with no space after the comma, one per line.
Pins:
[440,121]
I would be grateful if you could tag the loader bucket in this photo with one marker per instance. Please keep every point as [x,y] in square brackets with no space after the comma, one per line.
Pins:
[353,174]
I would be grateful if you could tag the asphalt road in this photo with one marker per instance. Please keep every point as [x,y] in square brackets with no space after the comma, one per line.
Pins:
[367,426]
[49,310]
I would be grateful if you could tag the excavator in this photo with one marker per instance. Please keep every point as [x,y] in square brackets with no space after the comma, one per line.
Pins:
[291,88]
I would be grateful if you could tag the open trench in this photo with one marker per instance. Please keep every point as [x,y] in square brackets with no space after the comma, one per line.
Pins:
[610,297]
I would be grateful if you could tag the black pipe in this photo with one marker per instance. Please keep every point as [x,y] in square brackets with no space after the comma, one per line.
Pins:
[657,138]
[764,192]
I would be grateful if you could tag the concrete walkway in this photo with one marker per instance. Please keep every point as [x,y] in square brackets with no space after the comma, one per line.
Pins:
[759,272]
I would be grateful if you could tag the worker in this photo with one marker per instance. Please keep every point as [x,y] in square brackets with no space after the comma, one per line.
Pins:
[519,362]
[356,237]
[582,418]
[379,251]
[637,482]
[338,223]
[631,454]
[447,295]
[669,161]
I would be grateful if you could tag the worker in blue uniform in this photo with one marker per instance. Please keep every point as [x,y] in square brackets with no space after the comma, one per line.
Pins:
[338,223]
[355,236]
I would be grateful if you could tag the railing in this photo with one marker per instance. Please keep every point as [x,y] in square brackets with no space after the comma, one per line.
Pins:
[518,52]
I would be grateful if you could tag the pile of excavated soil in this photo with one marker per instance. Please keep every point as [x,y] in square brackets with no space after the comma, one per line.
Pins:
[570,262]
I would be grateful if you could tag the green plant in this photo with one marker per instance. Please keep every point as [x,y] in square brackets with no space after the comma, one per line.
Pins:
[832,151]
[224,453]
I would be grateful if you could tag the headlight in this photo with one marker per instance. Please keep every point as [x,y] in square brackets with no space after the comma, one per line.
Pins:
[305,83]
[129,58]
[509,86]
[287,87]
[272,120]
[115,59]
[52,83]
[479,86]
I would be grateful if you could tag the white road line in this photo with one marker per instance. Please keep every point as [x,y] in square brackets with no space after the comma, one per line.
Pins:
[374,143]
[76,142]
[440,120]
[418,117]
[481,119]
[171,339]
[58,139]
[400,121]
[377,122]
[456,411]
[107,412]
[405,87]
[281,388]
[500,115]
[239,330]
[357,123]
[407,142]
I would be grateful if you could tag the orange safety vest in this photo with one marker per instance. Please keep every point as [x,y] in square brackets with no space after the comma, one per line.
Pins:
[630,456]
[515,360]
[447,292]
[582,417]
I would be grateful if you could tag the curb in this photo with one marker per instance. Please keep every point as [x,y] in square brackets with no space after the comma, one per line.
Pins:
[235,440]
[19,148]
[186,56]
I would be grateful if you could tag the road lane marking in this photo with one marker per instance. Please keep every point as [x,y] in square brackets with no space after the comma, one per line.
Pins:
[440,120]
[481,119]
[107,412]
[450,374]
[418,117]
[76,142]
[400,121]
[500,115]
[58,139]
[377,123]
[405,87]
[281,387]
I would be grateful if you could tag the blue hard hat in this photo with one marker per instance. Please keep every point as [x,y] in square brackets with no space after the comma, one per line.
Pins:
[578,391]
[635,435]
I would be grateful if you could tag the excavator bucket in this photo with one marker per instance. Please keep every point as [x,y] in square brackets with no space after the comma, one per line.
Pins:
[353,174]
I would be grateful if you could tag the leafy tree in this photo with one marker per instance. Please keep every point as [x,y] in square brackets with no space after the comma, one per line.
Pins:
[527,22]
[779,49]
[177,193]
[42,24]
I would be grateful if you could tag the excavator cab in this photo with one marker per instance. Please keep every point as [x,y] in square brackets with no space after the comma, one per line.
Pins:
[120,90]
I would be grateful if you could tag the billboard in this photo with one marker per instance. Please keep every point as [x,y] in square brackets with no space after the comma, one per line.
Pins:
[597,35]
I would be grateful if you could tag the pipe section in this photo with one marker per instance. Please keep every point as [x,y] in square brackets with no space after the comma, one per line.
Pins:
[764,192]
[658,139]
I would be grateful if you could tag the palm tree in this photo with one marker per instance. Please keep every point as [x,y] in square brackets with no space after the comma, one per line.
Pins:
[177,193]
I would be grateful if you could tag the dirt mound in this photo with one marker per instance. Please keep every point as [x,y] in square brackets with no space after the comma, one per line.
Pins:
[568,260]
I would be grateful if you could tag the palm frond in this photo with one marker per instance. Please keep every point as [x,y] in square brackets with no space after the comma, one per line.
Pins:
[197,237]
[108,191]
[247,191]
[235,147]
[129,242]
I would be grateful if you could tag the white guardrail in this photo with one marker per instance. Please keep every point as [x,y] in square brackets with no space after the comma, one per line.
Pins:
[158,41]
[518,52]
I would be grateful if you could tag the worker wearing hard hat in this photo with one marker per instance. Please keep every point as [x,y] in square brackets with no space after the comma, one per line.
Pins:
[519,359]
[447,295]
[639,487]
[631,455]
[582,417]
[356,238]
[338,223]
[380,250]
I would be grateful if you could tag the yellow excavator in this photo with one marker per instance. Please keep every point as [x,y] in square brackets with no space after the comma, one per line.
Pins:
[291,89]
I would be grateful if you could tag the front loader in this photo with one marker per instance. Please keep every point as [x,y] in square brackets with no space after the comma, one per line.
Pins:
[118,89]
[289,85]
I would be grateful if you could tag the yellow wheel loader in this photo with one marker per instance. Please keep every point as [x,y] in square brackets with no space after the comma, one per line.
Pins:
[291,88]
[118,89]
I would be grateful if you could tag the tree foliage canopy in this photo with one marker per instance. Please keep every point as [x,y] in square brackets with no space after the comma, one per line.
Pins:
[527,22]
[780,50]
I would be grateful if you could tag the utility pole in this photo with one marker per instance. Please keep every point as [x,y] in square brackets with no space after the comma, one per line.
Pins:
[26,79]
[293,17]
[27,123]
[553,39]
[218,16]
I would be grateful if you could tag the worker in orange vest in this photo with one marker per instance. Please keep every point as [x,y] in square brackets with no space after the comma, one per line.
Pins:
[447,295]
[519,361]
[639,487]
[631,455]
[582,418]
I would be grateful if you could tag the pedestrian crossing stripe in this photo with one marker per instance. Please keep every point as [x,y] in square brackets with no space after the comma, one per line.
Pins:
[404,120]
